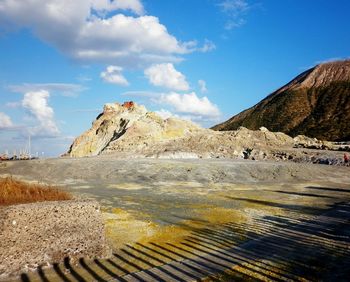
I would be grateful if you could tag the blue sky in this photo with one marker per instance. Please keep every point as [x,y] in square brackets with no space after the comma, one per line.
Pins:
[204,60]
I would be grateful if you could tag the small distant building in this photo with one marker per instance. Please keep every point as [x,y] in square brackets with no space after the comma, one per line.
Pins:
[128,104]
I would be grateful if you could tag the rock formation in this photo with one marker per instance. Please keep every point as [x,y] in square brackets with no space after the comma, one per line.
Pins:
[128,128]
[316,103]
[129,131]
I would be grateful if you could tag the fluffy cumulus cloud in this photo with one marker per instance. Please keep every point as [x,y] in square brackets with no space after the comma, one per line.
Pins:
[113,74]
[202,86]
[190,104]
[96,31]
[186,106]
[40,121]
[165,75]
[36,104]
[165,114]
[5,121]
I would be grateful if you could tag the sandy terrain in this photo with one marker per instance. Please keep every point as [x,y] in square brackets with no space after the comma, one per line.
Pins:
[263,220]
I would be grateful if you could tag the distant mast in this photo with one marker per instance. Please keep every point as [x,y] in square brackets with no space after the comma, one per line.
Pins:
[29,147]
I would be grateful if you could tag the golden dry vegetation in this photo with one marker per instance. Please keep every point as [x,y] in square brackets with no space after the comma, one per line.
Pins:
[19,192]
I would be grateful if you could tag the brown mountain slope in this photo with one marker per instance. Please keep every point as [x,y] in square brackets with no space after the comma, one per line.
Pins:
[316,103]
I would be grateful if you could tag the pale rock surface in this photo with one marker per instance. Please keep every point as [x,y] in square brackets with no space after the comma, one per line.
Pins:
[303,141]
[128,128]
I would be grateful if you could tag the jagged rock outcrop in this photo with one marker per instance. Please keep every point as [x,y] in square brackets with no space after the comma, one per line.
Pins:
[128,127]
[316,103]
[129,130]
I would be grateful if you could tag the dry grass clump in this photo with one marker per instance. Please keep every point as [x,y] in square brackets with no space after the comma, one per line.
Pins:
[18,192]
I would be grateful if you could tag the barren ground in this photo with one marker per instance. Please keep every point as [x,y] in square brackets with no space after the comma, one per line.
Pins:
[190,219]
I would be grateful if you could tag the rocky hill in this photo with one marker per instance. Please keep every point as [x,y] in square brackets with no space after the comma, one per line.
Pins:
[316,103]
[129,131]
[128,128]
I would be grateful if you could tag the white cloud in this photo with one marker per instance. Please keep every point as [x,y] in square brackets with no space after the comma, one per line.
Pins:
[164,114]
[65,89]
[165,75]
[234,6]
[231,24]
[107,6]
[207,47]
[202,86]
[190,104]
[36,103]
[113,74]
[141,94]
[5,121]
[91,31]
[185,106]
[83,78]
[234,10]
[13,105]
